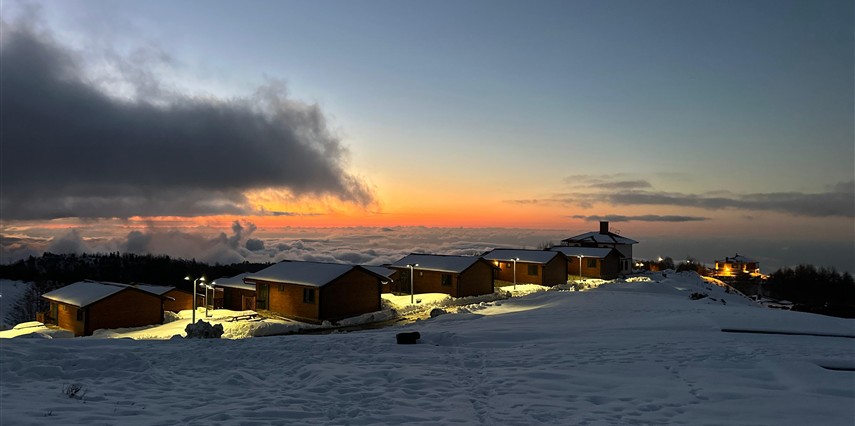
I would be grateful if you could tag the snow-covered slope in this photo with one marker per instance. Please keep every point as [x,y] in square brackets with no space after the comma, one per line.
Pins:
[628,353]
[10,292]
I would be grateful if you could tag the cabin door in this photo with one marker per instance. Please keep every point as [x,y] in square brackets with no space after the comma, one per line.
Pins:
[261,297]
[247,303]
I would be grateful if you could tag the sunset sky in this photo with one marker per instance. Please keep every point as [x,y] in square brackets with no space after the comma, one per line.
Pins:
[681,122]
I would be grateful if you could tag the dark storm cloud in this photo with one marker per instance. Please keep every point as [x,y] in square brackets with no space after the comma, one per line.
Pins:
[71,150]
[642,218]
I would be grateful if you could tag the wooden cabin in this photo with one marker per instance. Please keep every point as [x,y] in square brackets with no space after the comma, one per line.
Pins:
[606,239]
[236,294]
[591,262]
[86,306]
[531,266]
[389,273]
[457,276]
[315,291]
[173,299]
[737,266]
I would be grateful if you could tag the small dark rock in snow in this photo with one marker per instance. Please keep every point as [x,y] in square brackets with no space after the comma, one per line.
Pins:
[698,296]
[203,330]
[408,338]
[435,312]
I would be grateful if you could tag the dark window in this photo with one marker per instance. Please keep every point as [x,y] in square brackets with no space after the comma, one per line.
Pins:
[309,295]
[281,287]
[532,269]
[446,280]
[81,314]
[592,263]
[261,296]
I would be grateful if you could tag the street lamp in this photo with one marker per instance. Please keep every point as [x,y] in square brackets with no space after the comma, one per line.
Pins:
[580,266]
[515,271]
[196,283]
[412,292]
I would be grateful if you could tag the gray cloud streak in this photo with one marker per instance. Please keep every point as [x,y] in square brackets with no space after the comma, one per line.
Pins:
[642,218]
[71,150]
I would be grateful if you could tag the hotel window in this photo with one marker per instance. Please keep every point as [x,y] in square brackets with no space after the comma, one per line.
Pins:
[532,269]
[592,263]
[446,280]
[309,295]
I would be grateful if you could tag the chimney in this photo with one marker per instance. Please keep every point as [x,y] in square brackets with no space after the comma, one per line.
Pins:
[604,227]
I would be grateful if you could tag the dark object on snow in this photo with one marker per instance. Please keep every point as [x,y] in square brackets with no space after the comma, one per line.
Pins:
[435,312]
[408,338]
[698,296]
[203,330]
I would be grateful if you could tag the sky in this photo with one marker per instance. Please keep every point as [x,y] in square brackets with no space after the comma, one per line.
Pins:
[697,128]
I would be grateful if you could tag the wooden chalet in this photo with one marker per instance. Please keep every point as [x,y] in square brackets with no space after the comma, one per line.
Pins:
[591,262]
[605,239]
[236,294]
[737,266]
[86,306]
[532,266]
[316,292]
[389,273]
[457,276]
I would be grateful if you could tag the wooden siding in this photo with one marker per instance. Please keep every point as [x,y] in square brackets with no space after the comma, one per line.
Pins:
[354,293]
[183,301]
[607,268]
[66,318]
[233,298]
[287,300]
[476,280]
[554,272]
[127,308]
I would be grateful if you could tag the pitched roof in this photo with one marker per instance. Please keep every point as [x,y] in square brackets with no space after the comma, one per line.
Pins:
[528,256]
[234,282]
[159,290]
[381,270]
[314,274]
[596,237]
[84,293]
[437,262]
[738,258]
[596,252]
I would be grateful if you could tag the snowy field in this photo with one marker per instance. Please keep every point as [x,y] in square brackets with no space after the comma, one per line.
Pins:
[637,352]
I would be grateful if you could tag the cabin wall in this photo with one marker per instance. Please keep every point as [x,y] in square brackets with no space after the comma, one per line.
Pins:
[183,301]
[554,272]
[354,293]
[287,300]
[128,308]
[476,280]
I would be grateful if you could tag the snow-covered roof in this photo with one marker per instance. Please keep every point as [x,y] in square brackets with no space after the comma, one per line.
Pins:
[159,290]
[315,274]
[597,252]
[234,282]
[83,293]
[596,237]
[437,262]
[381,270]
[528,256]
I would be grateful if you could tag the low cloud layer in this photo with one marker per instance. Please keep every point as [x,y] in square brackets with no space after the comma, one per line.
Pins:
[72,150]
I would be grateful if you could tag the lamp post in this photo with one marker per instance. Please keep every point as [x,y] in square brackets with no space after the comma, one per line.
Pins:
[412,292]
[515,271]
[580,266]
[195,283]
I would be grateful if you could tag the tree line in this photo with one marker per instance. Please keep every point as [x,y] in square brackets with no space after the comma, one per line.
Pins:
[52,271]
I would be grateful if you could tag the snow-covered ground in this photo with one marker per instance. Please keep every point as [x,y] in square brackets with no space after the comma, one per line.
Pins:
[639,352]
